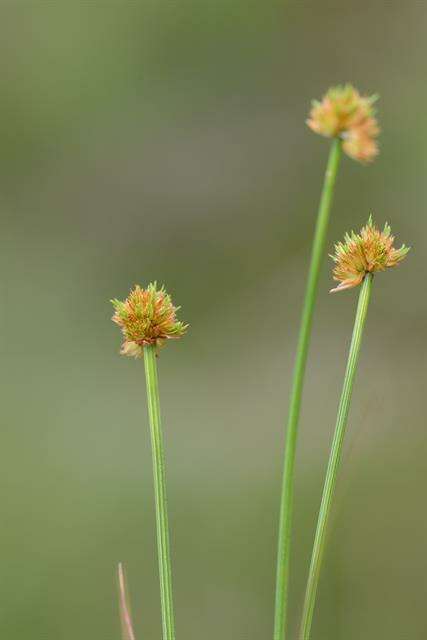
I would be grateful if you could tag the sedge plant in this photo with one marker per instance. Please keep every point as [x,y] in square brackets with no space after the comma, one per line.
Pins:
[348,119]
[147,319]
[356,259]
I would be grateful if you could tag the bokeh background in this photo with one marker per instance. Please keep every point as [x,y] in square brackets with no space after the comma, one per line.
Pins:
[166,140]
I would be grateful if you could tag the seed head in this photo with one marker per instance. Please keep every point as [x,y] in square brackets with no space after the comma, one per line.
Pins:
[370,251]
[147,316]
[344,113]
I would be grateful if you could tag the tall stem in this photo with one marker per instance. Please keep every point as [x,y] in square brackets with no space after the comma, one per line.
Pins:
[285,521]
[163,547]
[334,458]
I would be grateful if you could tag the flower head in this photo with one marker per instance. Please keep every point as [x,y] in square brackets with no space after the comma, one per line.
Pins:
[367,252]
[147,316]
[344,113]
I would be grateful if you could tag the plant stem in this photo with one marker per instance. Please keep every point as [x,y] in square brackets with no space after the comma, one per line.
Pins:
[160,493]
[334,458]
[285,521]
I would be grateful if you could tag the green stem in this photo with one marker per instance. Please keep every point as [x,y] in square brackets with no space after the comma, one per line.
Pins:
[160,492]
[334,458]
[285,521]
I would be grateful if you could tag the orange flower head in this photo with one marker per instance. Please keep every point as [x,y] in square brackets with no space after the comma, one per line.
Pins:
[147,316]
[344,113]
[367,252]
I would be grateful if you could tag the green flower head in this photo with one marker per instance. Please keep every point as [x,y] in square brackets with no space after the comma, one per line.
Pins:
[147,316]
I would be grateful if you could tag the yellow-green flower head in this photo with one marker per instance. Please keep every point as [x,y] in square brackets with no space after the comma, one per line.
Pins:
[344,113]
[367,252]
[147,316]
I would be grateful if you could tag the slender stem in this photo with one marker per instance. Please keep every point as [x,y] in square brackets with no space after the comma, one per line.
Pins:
[334,458]
[163,547]
[285,521]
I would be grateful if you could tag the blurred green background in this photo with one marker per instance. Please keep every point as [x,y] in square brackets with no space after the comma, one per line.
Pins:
[166,140]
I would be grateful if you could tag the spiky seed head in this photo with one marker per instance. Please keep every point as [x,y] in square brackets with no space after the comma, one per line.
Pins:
[344,113]
[367,252]
[147,316]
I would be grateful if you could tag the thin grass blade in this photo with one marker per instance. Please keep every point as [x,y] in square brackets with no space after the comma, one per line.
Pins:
[125,613]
